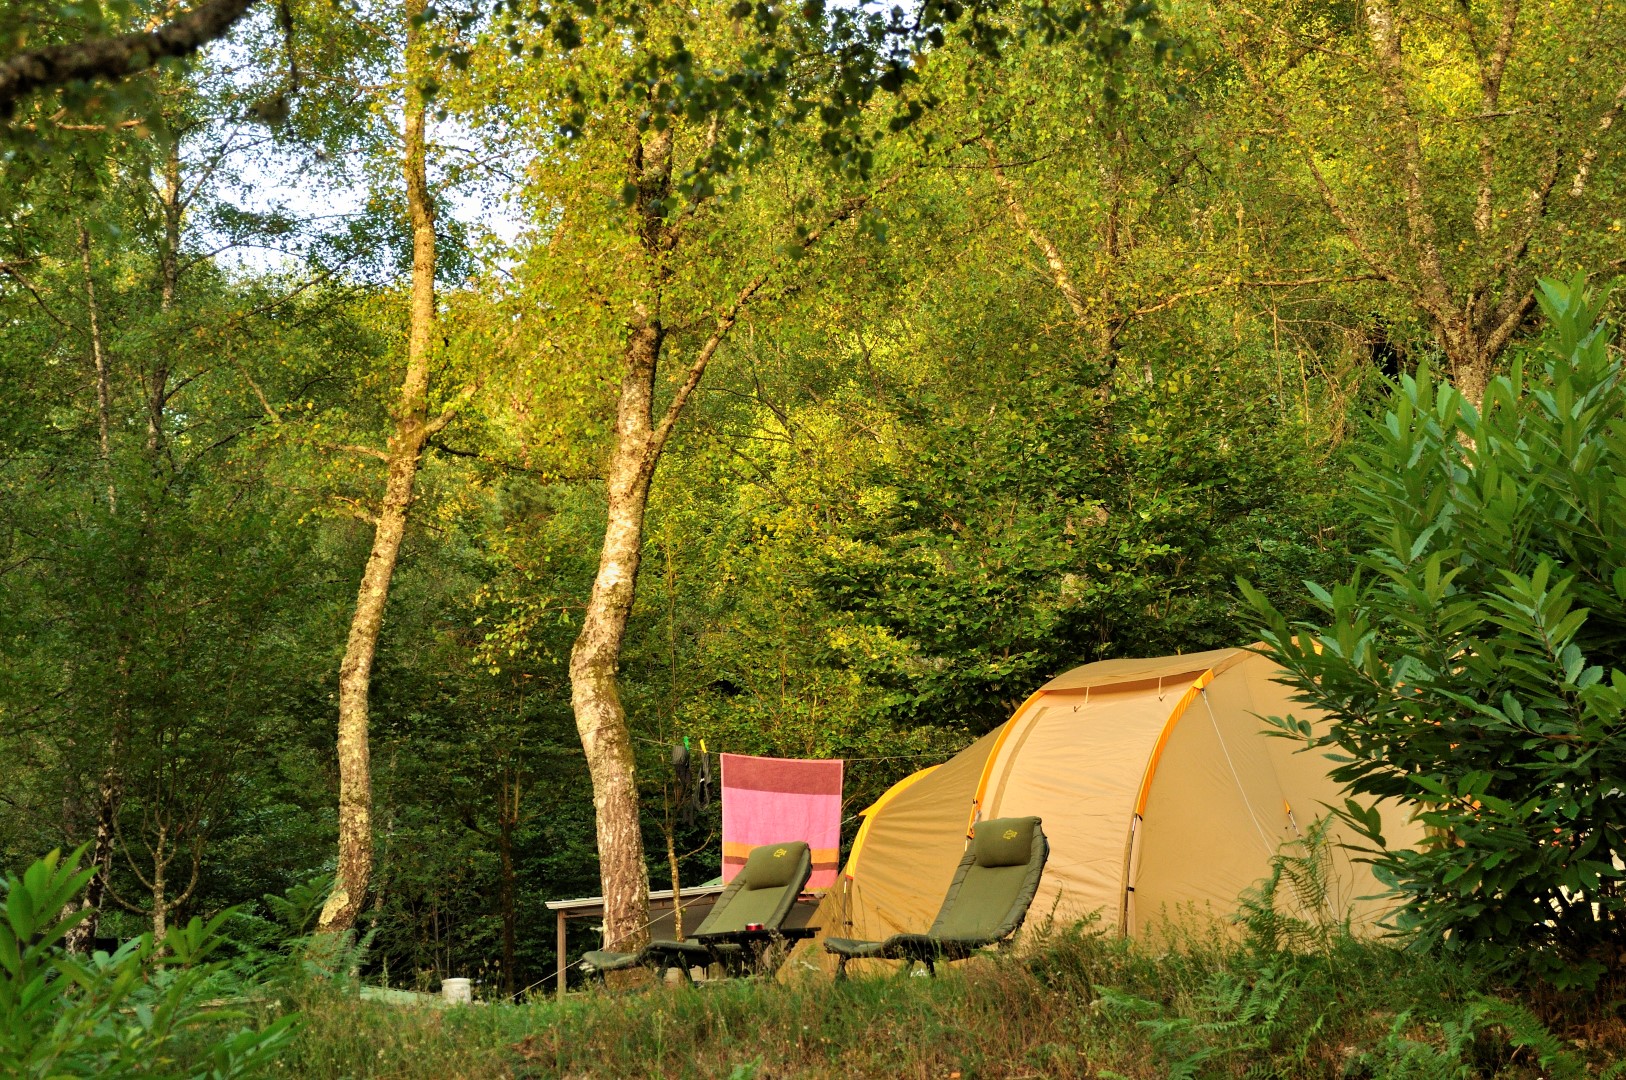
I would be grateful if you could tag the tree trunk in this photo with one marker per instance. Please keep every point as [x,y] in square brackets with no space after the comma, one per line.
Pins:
[677,883]
[169,200]
[104,382]
[601,721]
[101,861]
[594,661]
[107,791]
[160,910]
[507,820]
[412,430]
[1470,366]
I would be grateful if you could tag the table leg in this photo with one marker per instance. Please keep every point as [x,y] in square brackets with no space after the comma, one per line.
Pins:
[561,945]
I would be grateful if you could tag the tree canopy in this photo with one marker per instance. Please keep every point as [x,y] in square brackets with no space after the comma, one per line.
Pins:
[808,380]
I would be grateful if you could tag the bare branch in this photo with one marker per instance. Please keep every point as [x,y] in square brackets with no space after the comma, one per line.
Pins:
[1352,230]
[276,418]
[357,510]
[726,320]
[16,274]
[1385,34]
[449,413]
[353,448]
[197,868]
[1285,283]
[1491,68]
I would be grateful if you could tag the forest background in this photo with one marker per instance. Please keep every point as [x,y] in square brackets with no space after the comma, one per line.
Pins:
[1009,360]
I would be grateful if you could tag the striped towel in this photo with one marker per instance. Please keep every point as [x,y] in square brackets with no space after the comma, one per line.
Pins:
[773,800]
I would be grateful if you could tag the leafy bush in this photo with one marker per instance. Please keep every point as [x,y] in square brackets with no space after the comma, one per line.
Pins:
[1472,665]
[143,1010]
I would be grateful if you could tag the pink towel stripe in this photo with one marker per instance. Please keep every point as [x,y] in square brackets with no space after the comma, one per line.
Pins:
[772,800]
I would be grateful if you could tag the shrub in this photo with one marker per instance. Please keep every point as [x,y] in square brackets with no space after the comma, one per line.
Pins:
[1472,665]
[140,1011]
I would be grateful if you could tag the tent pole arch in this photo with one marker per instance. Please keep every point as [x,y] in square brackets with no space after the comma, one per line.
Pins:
[869,812]
[993,756]
[1135,819]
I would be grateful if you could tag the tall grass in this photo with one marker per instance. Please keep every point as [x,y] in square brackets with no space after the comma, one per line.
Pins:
[1078,1004]
[1286,996]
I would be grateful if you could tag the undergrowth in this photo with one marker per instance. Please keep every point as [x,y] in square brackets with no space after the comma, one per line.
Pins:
[1277,995]
[1080,1004]
[1287,992]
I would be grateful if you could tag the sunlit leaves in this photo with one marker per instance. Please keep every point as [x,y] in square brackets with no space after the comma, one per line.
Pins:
[1473,668]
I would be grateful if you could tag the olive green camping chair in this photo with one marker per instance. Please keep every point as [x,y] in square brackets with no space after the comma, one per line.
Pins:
[986,902]
[764,891]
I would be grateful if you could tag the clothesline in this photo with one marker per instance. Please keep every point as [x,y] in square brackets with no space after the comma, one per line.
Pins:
[888,757]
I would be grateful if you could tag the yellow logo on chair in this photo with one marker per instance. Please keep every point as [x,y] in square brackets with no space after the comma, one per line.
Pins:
[780,853]
[1010,834]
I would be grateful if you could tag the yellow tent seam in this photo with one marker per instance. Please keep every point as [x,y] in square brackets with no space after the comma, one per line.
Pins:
[1180,708]
[1146,789]
[993,756]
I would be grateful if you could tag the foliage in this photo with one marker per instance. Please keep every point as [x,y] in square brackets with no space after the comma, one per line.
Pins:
[1078,1004]
[143,1010]
[1472,665]
[918,479]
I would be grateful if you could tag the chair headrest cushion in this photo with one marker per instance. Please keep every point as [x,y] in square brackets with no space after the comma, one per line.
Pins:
[1004,841]
[773,866]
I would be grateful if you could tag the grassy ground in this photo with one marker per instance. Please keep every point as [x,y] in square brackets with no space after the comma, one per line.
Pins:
[1078,1005]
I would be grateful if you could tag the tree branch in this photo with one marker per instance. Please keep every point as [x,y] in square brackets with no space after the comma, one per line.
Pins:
[1051,253]
[116,57]
[16,273]
[1491,68]
[1329,198]
[1583,168]
[354,448]
[1286,283]
[358,510]
[1385,34]
[725,320]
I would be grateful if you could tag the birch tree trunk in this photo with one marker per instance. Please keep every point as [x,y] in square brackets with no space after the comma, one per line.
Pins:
[160,903]
[108,789]
[595,659]
[507,820]
[412,430]
[169,263]
[601,720]
[104,384]
[1474,293]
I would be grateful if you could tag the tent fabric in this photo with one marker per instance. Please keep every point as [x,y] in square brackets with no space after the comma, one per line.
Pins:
[1123,672]
[903,871]
[1163,797]
[891,793]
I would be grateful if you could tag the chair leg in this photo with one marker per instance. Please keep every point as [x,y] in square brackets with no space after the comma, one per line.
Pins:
[841,969]
[931,969]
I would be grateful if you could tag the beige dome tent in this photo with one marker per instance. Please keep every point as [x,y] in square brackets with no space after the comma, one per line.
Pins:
[1160,794]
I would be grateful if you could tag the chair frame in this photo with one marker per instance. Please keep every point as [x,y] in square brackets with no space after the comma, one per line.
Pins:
[930,948]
